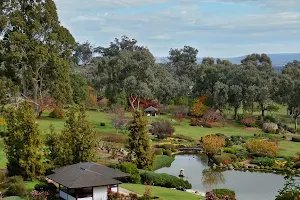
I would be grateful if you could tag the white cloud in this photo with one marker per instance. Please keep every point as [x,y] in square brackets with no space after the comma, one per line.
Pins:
[267,30]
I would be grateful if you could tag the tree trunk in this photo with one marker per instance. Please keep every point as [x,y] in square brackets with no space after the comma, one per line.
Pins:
[35,97]
[252,108]
[296,123]
[117,131]
[235,113]
[262,112]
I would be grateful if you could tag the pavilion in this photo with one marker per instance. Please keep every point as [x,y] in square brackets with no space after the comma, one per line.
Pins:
[151,111]
[86,181]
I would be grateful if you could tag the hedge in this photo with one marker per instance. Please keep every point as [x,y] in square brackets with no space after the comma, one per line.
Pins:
[163,180]
[296,139]
[265,161]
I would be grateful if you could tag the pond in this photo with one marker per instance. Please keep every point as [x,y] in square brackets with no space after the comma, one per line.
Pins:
[247,185]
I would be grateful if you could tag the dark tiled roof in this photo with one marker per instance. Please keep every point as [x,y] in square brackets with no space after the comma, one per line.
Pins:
[86,174]
[151,109]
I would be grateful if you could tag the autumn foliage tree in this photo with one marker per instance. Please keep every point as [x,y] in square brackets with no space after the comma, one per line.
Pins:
[118,118]
[262,147]
[212,144]
[199,108]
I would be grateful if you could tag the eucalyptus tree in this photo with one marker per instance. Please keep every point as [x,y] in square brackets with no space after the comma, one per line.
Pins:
[37,50]
[83,53]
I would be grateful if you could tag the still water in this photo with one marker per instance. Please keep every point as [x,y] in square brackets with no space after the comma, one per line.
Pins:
[247,185]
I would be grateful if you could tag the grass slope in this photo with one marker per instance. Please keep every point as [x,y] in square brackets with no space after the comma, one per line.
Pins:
[162,161]
[288,148]
[164,193]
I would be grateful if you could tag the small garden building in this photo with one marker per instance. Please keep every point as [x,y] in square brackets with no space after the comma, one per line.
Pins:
[86,181]
[151,111]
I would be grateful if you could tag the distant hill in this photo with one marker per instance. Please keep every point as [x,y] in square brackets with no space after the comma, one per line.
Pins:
[279,60]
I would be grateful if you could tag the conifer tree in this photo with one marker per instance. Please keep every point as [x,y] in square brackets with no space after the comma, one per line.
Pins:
[25,148]
[76,142]
[139,146]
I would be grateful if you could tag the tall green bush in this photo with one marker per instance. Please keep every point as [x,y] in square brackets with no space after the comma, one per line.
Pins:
[130,168]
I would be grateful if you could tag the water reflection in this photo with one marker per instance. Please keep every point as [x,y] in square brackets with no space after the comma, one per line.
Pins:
[212,178]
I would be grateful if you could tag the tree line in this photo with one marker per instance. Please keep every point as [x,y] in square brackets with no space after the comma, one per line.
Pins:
[40,60]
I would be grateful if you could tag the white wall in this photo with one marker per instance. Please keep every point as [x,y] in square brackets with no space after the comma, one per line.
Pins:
[100,193]
[86,198]
[114,189]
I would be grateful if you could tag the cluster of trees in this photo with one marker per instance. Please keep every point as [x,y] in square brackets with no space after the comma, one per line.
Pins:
[36,53]
[125,72]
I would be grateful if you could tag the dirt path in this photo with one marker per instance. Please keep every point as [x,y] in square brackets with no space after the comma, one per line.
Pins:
[127,192]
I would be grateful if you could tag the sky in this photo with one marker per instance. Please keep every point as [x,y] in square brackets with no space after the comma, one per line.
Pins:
[217,28]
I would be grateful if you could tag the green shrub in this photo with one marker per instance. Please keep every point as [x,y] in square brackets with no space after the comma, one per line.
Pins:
[220,159]
[297,165]
[44,186]
[269,118]
[220,134]
[57,113]
[131,169]
[183,137]
[158,151]
[163,180]
[221,193]
[16,187]
[102,124]
[167,152]
[296,139]
[229,150]
[162,161]
[265,161]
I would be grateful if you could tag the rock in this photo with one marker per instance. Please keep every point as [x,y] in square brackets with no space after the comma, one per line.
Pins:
[267,127]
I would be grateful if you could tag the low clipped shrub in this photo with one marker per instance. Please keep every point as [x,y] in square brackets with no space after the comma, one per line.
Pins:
[158,151]
[131,169]
[16,187]
[102,124]
[296,139]
[170,147]
[167,152]
[265,161]
[224,194]
[163,180]
[229,150]
[57,113]
[183,137]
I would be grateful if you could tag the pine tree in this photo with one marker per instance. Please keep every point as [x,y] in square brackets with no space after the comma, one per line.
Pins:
[77,141]
[139,146]
[25,148]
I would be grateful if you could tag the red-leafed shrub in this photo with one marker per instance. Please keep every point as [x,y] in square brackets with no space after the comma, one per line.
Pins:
[162,129]
[58,113]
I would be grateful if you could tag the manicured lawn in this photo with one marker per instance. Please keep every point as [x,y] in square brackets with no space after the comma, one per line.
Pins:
[13,198]
[94,117]
[162,161]
[198,132]
[30,185]
[288,148]
[3,159]
[164,193]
